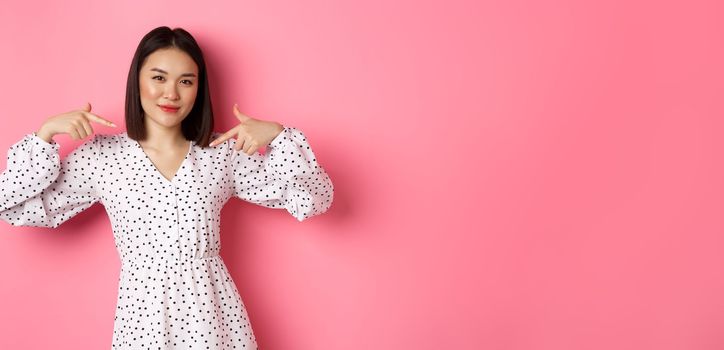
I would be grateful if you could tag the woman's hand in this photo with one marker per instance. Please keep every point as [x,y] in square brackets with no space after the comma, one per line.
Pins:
[251,134]
[76,123]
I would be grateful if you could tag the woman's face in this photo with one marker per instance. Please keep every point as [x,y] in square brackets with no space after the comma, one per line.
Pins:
[168,77]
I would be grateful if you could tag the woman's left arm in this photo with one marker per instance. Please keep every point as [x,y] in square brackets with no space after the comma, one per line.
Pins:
[288,176]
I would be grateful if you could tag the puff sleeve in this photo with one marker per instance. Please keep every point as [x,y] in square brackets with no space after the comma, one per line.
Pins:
[38,189]
[287,176]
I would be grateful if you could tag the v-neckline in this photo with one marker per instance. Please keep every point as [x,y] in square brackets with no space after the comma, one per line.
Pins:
[155,168]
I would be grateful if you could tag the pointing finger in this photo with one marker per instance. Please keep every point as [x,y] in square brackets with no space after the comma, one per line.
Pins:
[223,137]
[98,119]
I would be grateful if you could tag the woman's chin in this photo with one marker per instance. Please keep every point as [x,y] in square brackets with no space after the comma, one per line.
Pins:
[167,121]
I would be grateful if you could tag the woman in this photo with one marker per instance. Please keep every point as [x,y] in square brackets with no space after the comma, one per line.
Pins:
[163,184]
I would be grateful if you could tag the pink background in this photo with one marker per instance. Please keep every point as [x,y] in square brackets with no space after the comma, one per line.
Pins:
[508,175]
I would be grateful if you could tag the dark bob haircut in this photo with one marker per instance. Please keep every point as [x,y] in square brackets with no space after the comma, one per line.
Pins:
[199,124]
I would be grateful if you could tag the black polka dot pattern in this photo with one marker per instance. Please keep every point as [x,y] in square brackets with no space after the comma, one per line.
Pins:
[174,290]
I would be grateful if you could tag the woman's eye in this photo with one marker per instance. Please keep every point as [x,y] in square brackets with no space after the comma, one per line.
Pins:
[188,82]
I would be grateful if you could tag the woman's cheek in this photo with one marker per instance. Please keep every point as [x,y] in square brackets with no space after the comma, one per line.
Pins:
[149,91]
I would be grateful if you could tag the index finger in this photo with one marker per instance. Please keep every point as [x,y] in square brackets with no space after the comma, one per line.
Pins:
[98,119]
[225,136]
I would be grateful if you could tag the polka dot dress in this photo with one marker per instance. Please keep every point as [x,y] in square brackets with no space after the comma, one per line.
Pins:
[174,290]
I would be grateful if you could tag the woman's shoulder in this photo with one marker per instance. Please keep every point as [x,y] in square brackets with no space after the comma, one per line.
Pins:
[107,142]
[104,138]
[217,150]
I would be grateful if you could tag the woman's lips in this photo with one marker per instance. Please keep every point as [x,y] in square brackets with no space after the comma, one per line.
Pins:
[169,110]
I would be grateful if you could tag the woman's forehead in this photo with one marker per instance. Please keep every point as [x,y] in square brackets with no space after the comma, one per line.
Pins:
[171,61]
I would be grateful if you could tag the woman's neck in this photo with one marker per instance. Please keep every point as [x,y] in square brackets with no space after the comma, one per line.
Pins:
[163,138]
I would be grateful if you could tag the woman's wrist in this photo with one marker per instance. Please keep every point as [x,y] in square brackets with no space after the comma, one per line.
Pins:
[44,135]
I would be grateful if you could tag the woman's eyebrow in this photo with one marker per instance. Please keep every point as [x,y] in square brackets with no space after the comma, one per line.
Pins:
[164,72]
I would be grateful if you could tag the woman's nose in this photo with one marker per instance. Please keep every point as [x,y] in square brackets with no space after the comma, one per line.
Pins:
[171,93]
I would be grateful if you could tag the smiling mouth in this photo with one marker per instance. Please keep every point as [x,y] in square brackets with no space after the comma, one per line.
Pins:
[169,109]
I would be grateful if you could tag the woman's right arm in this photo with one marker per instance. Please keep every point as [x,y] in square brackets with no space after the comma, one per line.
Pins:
[37,188]
[32,190]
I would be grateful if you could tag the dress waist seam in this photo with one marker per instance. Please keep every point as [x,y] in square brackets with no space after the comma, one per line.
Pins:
[166,262]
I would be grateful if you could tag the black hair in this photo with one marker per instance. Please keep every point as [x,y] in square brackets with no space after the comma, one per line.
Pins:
[199,123]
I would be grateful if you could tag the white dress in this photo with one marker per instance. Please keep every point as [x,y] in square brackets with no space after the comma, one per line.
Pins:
[174,290]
